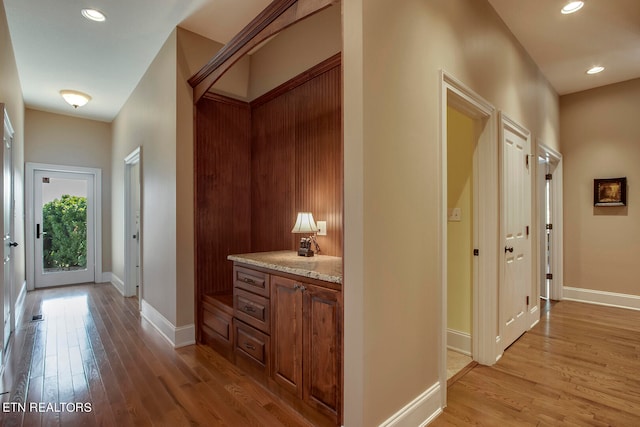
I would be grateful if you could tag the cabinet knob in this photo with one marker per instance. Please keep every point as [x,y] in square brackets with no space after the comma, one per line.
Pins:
[249,309]
[249,346]
[249,281]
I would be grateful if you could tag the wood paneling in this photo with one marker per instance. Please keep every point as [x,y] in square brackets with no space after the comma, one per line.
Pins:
[297,161]
[222,188]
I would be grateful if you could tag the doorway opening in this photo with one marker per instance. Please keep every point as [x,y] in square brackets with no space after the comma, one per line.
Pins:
[550,223]
[133,225]
[64,240]
[481,201]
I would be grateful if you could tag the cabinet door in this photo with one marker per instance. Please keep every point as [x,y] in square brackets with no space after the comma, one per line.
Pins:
[286,334]
[323,348]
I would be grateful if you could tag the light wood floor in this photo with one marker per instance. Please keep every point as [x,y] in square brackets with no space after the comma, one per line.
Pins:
[91,347]
[580,366]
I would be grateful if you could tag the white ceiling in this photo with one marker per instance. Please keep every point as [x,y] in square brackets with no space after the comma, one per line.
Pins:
[56,48]
[603,32]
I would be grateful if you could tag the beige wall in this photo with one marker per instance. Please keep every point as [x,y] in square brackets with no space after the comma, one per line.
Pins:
[69,141]
[461,143]
[600,139]
[148,120]
[393,315]
[193,52]
[11,97]
[295,50]
[159,118]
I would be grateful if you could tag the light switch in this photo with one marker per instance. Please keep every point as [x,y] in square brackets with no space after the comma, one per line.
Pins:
[455,215]
[322,228]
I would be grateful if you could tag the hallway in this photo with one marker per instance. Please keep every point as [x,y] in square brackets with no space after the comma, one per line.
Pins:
[92,350]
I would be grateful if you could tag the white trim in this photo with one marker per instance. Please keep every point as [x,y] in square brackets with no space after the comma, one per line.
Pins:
[116,282]
[177,337]
[30,169]
[557,250]
[420,411]
[609,299]
[129,284]
[19,307]
[459,341]
[483,347]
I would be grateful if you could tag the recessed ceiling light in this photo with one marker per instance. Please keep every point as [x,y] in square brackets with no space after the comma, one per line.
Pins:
[572,6]
[595,70]
[94,15]
[75,98]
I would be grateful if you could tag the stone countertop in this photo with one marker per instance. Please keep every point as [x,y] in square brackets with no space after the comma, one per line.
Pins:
[321,267]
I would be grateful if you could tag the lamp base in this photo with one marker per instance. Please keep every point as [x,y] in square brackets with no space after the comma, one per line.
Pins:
[305,252]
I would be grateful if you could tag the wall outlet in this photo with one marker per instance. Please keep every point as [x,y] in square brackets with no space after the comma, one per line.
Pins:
[322,228]
[455,215]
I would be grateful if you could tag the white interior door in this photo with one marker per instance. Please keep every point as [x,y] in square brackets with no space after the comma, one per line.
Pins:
[64,248]
[8,207]
[516,213]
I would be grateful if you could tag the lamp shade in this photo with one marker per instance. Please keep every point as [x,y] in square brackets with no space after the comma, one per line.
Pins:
[75,98]
[304,223]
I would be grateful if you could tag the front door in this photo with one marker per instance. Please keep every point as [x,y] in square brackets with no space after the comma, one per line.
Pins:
[64,228]
[516,213]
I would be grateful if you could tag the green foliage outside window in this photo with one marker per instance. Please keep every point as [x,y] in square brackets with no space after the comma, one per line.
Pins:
[65,225]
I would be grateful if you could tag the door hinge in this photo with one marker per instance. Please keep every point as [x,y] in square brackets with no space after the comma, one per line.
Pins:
[527,299]
[527,230]
[549,276]
[476,252]
[549,226]
[548,177]
[526,160]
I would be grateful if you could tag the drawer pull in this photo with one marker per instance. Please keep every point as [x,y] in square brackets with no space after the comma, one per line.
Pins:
[249,281]
[301,287]
[249,346]
[249,309]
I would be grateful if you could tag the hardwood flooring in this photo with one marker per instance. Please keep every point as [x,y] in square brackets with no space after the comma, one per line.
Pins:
[580,366]
[92,350]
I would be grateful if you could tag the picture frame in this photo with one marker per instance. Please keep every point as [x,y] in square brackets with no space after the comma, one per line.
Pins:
[610,192]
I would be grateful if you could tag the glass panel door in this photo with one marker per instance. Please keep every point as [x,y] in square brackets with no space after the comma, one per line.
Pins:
[64,238]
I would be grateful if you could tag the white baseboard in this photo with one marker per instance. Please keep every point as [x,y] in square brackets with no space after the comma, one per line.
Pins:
[459,341]
[19,307]
[610,299]
[419,412]
[115,281]
[177,337]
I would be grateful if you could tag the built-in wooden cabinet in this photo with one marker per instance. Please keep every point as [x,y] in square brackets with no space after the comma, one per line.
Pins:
[307,341]
[292,339]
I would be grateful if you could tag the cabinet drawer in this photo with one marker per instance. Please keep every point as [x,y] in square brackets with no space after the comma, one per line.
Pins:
[252,309]
[251,344]
[251,280]
[217,321]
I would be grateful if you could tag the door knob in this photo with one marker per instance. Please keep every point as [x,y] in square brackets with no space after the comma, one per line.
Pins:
[508,249]
[14,244]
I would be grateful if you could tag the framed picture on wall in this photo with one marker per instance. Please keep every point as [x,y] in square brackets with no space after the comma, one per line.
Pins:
[610,192]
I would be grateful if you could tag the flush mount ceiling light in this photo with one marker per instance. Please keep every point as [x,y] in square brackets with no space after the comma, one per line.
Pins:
[595,70]
[94,15]
[572,7]
[74,98]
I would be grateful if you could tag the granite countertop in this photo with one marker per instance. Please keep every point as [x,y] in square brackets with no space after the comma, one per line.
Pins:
[321,267]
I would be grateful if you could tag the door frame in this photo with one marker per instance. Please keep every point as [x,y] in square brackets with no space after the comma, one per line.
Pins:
[8,288]
[456,94]
[130,246]
[30,232]
[557,245]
